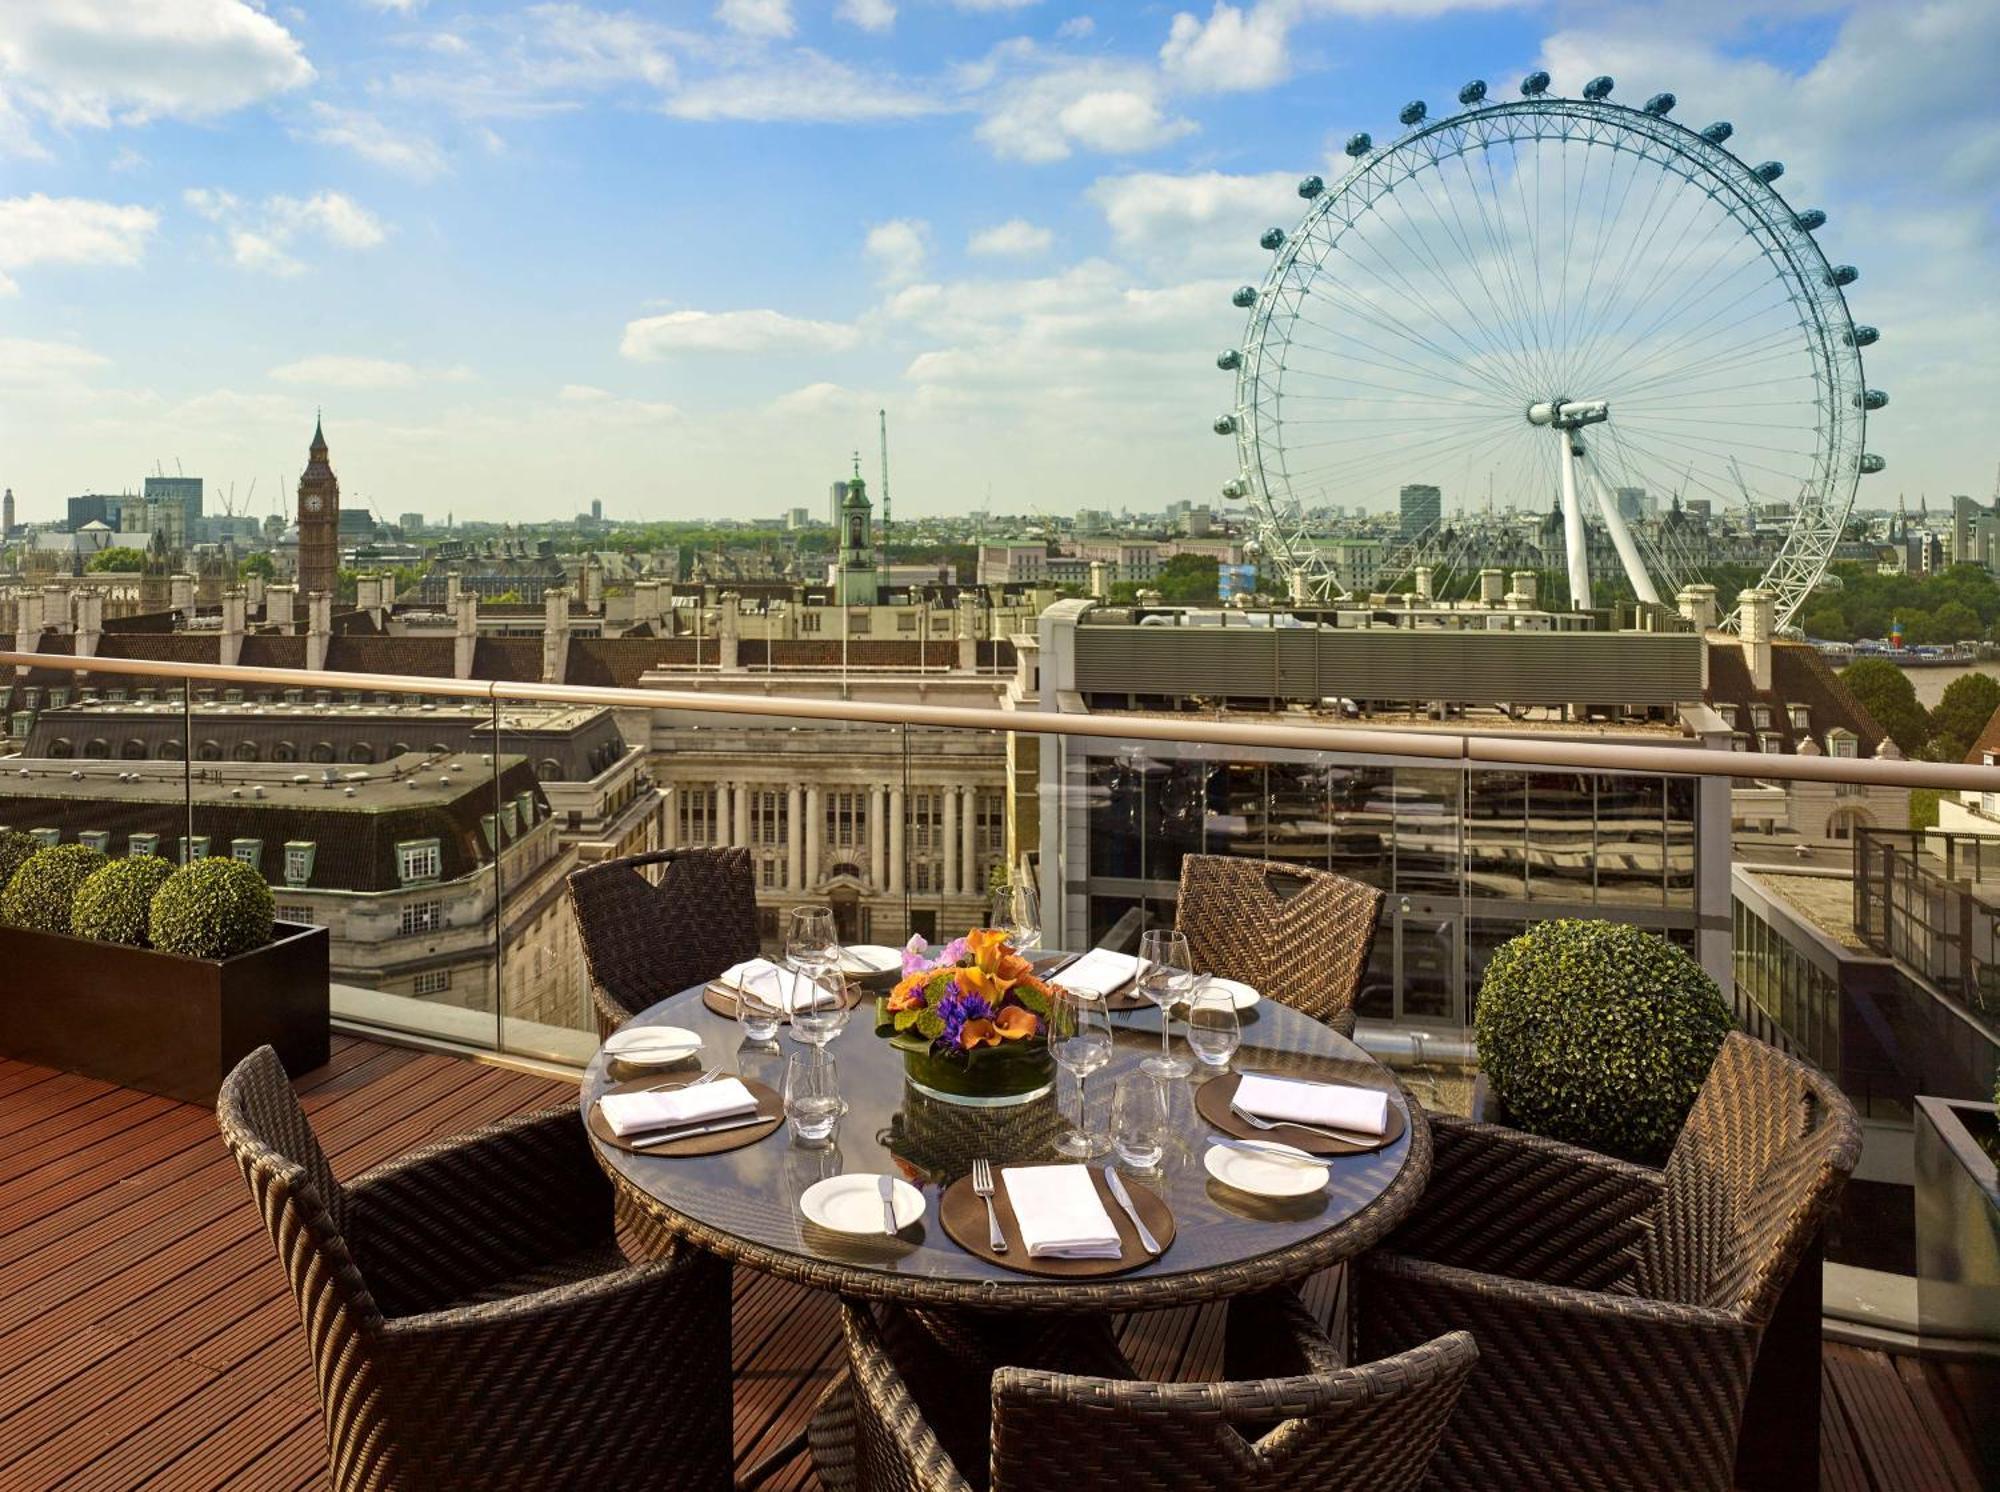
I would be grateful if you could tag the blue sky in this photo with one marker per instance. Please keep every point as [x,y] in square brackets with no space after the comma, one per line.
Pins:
[674,256]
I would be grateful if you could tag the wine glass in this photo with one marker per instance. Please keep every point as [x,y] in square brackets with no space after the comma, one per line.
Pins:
[811,940]
[1214,1030]
[819,1006]
[1139,1120]
[1166,971]
[812,1096]
[812,953]
[1017,910]
[1079,1036]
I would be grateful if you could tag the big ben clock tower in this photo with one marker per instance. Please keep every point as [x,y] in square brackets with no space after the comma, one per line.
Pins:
[319,519]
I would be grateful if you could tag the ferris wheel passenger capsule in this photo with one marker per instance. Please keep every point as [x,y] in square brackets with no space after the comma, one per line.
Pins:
[1235,488]
[1272,238]
[1310,187]
[1768,171]
[1413,112]
[1245,297]
[1229,360]
[1842,274]
[1661,104]
[1360,143]
[1535,85]
[1871,399]
[1863,336]
[1719,131]
[1225,424]
[1871,463]
[1811,219]
[1598,87]
[1473,92]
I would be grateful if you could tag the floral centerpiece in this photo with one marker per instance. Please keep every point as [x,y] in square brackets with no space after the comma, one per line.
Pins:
[969,1021]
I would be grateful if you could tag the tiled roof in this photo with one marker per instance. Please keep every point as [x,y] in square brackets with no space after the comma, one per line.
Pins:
[1989,740]
[508,659]
[270,650]
[421,657]
[612,662]
[175,647]
[1799,676]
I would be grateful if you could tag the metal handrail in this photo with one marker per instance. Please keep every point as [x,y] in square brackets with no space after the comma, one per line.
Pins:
[1466,748]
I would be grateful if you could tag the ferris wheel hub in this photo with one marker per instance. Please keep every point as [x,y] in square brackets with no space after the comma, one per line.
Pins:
[1569,414]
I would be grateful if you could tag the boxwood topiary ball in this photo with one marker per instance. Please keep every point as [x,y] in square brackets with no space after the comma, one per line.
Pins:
[115,904]
[1599,1034]
[212,909]
[44,888]
[15,848]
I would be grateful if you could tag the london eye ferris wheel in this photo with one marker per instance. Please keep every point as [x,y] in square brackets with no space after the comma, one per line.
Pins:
[1563,301]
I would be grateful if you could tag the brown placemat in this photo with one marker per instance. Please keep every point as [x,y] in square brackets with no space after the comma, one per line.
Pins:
[963,1216]
[722,1000]
[1211,1101]
[770,1111]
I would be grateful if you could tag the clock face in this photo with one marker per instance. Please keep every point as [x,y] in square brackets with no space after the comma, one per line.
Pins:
[313,503]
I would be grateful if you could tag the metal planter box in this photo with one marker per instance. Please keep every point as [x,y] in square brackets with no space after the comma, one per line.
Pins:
[156,1021]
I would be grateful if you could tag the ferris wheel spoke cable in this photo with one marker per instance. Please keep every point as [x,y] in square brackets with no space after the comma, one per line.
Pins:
[1690,299]
[1424,371]
[1439,450]
[1638,244]
[1602,233]
[1510,260]
[1774,349]
[1505,283]
[1392,326]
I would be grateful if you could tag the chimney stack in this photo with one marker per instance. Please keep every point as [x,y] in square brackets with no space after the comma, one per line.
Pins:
[89,622]
[555,633]
[279,601]
[1492,587]
[728,629]
[319,630]
[235,611]
[1522,597]
[968,632]
[1100,581]
[181,590]
[1423,576]
[1758,612]
[1697,604]
[453,589]
[55,607]
[465,636]
[253,591]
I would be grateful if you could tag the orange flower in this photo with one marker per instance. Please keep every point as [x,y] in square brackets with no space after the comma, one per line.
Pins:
[1015,1023]
[908,993]
[978,1033]
[1012,967]
[988,986]
[985,945]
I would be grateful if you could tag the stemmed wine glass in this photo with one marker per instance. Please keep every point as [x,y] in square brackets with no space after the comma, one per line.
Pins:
[812,952]
[1017,910]
[1079,1035]
[1166,971]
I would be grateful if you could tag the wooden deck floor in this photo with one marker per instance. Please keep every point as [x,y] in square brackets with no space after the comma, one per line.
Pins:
[147,1339]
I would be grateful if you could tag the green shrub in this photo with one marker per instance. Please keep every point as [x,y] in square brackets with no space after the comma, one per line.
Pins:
[115,904]
[43,889]
[15,847]
[212,909]
[1599,1034]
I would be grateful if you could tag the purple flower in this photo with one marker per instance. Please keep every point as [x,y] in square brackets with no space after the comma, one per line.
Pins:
[954,952]
[955,1009]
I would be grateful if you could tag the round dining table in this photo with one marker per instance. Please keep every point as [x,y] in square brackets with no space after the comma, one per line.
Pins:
[743,1204]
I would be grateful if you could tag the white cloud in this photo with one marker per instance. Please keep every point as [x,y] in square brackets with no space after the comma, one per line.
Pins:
[601,406]
[803,86]
[262,236]
[581,46]
[70,230]
[1051,108]
[1235,48]
[408,152]
[899,248]
[651,338]
[869,15]
[332,370]
[25,363]
[1204,219]
[760,18]
[817,399]
[1075,28]
[1016,236]
[97,63]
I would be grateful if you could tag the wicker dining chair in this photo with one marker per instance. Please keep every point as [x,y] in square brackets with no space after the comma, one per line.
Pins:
[1308,949]
[471,1321]
[1620,1310]
[644,941]
[1294,1419]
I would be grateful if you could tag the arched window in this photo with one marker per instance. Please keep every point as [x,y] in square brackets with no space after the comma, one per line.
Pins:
[62,746]
[245,751]
[209,751]
[361,753]
[284,751]
[399,748]
[322,752]
[97,748]
[549,769]
[172,751]
[133,750]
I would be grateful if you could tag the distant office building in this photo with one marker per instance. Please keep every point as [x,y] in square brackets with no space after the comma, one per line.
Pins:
[7,513]
[1631,503]
[798,518]
[410,522]
[1964,514]
[1697,507]
[597,510]
[184,492]
[95,507]
[1422,508]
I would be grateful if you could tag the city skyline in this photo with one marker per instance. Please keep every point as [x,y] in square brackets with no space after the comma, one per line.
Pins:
[675,259]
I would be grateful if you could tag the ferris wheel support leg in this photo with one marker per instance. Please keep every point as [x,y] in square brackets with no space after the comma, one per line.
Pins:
[1621,536]
[1575,542]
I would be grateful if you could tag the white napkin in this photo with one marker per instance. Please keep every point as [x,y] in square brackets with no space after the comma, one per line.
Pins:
[1363,1110]
[784,988]
[1099,972]
[1059,1213]
[870,959]
[632,1113]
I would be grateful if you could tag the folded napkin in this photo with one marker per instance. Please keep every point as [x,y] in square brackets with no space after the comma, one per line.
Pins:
[1099,972]
[635,1113]
[1363,1110]
[787,989]
[1059,1213]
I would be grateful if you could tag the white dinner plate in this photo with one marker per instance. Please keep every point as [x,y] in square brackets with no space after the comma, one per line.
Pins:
[1240,994]
[853,1204]
[1274,1177]
[871,958]
[652,1046]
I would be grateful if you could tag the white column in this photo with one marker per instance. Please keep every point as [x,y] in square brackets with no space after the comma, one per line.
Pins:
[813,817]
[795,841]
[968,824]
[670,815]
[895,841]
[742,814]
[950,887]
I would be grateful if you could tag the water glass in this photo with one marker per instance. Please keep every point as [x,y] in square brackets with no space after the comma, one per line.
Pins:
[817,1021]
[758,1017]
[812,1096]
[1166,973]
[1214,1030]
[1139,1120]
[1017,911]
[1079,1037]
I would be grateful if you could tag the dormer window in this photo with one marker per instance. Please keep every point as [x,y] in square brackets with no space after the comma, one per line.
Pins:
[1760,717]
[1770,740]
[142,844]
[1801,718]
[1739,741]
[1843,743]
[1728,714]
[46,837]
[95,839]
[248,852]
[298,861]
[193,848]
[510,814]
[418,861]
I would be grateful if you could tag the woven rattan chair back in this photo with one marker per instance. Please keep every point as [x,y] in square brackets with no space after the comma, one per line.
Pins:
[303,1207]
[1308,949]
[1374,1426]
[1761,1161]
[645,940]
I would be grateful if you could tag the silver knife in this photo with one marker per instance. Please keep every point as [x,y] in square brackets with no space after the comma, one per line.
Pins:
[1274,1151]
[888,1186]
[706,1129]
[1146,1239]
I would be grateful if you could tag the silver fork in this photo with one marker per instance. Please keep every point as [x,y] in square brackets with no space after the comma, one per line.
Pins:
[982,1188]
[1352,1137]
